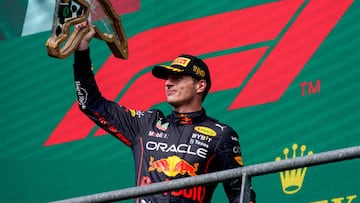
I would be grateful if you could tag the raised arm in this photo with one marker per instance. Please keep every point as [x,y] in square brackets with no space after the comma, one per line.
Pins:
[115,119]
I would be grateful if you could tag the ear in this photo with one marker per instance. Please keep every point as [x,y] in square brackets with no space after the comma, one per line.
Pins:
[201,86]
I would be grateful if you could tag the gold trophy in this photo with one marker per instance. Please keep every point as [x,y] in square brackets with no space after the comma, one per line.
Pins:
[65,39]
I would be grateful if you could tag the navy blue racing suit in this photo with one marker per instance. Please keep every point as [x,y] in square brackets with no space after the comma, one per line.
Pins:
[164,147]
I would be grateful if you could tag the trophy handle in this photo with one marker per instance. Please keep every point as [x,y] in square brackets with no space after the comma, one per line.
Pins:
[117,42]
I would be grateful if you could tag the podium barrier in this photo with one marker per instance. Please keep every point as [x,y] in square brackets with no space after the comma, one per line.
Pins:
[245,172]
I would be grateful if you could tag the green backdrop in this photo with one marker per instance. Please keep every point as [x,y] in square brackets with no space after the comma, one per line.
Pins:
[302,87]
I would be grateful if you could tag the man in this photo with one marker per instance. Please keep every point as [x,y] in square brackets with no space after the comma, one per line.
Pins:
[183,144]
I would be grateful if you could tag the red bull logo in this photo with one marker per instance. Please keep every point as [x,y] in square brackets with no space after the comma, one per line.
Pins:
[195,193]
[172,166]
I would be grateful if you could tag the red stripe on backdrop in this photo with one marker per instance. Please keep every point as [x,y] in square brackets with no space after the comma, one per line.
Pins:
[292,53]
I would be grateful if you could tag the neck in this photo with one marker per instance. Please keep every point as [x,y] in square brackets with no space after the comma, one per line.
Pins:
[187,109]
[189,118]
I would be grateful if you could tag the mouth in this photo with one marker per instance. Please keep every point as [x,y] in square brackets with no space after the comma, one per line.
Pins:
[170,92]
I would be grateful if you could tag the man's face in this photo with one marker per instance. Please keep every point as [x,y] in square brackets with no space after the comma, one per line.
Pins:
[181,90]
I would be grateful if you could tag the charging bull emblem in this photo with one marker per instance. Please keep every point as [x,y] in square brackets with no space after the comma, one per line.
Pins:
[172,166]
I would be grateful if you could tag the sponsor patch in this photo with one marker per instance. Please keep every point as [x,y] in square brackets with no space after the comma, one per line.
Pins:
[172,166]
[162,126]
[205,130]
[181,61]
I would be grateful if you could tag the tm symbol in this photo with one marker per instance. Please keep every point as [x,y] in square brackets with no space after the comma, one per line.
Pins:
[309,88]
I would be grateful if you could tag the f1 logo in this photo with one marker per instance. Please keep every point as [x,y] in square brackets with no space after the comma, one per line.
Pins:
[276,41]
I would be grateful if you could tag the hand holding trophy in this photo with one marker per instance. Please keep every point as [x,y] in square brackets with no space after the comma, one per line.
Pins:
[65,39]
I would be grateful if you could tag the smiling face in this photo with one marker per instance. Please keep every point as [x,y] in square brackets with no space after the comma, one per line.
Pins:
[184,92]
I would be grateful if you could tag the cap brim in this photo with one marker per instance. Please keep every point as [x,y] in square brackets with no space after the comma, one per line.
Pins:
[163,71]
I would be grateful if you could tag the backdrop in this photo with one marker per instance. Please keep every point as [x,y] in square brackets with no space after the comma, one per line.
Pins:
[285,77]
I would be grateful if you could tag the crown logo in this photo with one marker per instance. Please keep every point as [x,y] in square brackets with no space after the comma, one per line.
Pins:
[292,180]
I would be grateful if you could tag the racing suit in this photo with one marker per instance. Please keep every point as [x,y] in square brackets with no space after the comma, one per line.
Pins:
[164,147]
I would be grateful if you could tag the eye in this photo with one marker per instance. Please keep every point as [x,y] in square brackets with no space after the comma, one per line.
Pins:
[174,77]
[178,77]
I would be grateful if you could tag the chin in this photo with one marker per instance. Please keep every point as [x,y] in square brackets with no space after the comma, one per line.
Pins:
[173,102]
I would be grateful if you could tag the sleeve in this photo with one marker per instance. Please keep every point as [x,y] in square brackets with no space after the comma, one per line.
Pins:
[230,154]
[117,120]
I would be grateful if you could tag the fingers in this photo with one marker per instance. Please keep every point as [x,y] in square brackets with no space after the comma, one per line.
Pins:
[85,24]
[81,26]
[84,44]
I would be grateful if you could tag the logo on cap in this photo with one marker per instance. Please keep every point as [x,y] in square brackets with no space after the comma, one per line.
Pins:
[198,71]
[181,61]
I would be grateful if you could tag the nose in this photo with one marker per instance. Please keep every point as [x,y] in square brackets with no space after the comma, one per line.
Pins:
[168,82]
